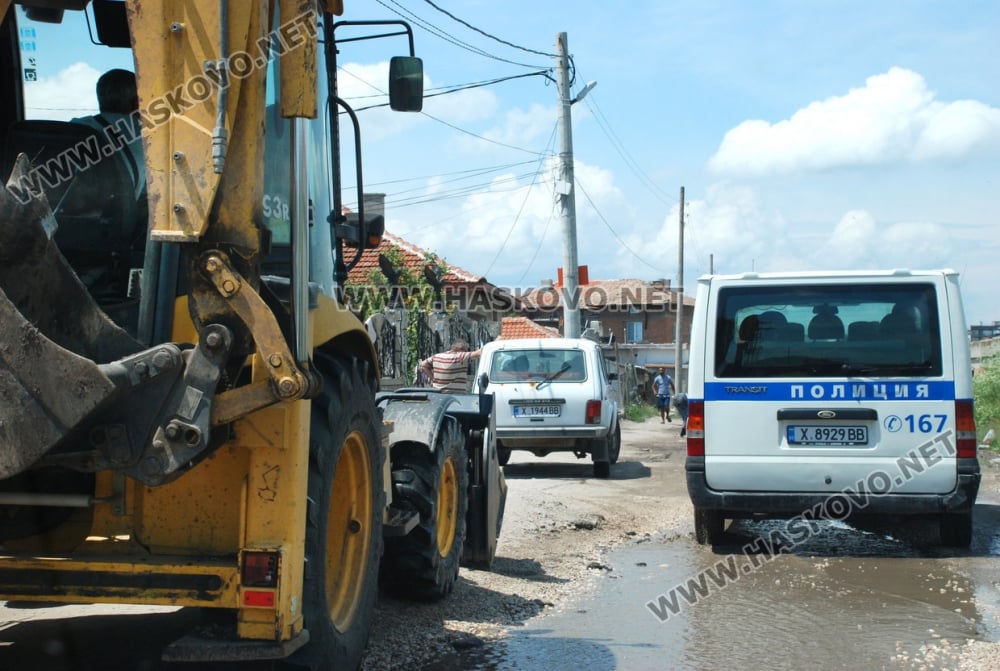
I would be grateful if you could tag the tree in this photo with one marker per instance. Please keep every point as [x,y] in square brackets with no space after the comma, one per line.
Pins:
[986,392]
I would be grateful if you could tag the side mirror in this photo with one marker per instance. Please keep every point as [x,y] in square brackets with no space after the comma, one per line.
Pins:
[483,381]
[406,84]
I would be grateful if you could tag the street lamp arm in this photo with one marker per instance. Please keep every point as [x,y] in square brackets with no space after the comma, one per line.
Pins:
[583,94]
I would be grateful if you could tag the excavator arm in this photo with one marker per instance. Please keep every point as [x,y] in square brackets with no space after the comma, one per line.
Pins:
[148,410]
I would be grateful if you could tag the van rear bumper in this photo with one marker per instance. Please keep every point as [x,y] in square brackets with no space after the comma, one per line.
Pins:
[790,504]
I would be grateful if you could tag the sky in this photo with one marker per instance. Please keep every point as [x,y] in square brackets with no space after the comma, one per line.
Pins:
[806,135]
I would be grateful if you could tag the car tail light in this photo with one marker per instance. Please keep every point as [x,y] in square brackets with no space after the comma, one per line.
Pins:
[965,429]
[696,429]
[593,412]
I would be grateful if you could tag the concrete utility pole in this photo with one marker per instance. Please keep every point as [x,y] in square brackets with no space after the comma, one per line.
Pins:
[679,349]
[567,192]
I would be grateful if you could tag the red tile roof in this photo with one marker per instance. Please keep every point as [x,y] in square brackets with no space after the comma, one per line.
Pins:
[414,259]
[522,327]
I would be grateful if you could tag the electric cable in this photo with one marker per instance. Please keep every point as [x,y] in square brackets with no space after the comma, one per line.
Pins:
[484,33]
[610,228]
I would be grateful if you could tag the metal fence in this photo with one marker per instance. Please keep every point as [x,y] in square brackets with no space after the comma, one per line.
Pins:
[404,338]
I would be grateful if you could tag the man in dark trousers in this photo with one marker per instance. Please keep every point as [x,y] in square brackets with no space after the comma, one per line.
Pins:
[663,387]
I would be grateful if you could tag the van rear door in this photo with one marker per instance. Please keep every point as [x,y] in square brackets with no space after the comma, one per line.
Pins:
[814,385]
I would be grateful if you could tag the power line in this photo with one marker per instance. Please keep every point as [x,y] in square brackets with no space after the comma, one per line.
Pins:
[524,202]
[630,161]
[613,232]
[455,89]
[444,35]
[486,34]
[445,123]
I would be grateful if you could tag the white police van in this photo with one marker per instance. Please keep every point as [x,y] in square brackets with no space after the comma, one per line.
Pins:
[828,395]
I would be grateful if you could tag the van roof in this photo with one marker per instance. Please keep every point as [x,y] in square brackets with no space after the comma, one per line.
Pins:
[828,274]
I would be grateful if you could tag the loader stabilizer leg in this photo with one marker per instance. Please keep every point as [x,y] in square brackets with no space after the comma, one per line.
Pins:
[51,334]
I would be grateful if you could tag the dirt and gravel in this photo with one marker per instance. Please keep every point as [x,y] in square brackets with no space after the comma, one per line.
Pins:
[560,530]
[559,524]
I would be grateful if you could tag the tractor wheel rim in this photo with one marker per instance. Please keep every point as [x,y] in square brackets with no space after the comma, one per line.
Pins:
[349,533]
[447,507]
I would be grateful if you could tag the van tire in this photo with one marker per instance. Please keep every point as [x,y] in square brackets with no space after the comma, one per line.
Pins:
[956,529]
[602,469]
[709,526]
[503,455]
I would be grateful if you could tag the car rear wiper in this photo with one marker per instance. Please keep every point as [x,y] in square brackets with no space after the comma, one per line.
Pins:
[548,378]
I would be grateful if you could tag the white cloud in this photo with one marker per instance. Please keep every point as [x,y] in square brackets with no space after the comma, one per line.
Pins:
[859,241]
[894,117]
[730,225]
[68,94]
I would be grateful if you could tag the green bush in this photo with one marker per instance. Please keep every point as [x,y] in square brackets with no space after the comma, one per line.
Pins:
[986,393]
[639,412]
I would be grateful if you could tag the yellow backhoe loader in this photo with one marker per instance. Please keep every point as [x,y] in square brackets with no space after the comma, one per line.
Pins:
[189,414]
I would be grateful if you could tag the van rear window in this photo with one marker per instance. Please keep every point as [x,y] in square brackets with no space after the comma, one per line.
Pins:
[828,330]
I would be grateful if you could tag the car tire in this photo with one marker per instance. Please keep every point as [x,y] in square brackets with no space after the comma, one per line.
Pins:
[709,526]
[503,455]
[956,529]
[615,445]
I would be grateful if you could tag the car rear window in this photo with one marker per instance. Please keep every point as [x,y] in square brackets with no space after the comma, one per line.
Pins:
[558,365]
[828,330]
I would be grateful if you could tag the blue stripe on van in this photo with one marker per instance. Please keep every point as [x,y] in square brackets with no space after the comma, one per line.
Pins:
[884,390]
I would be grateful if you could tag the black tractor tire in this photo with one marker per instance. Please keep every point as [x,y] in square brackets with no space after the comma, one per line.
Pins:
[956,529]
[344,517]
[709,526]
[423,565]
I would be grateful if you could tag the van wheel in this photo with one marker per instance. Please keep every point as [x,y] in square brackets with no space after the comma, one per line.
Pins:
[709,526]
[344,517]
[956,529]
[423,565]
[602,469]
[503,455]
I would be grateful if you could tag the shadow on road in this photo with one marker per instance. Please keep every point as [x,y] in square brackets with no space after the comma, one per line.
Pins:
[865,536]
[584,470]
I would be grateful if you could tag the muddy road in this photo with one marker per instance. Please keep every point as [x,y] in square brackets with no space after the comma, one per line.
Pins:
[605,574]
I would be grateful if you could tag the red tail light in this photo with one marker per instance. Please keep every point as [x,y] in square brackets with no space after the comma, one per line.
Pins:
[965,429]
[593,412]
[696,429]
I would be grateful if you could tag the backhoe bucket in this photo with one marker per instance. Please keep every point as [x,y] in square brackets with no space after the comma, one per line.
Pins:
[52,334]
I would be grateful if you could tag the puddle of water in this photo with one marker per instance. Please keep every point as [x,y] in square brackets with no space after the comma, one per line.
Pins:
[854,600]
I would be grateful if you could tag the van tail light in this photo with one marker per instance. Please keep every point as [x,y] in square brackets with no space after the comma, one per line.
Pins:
[696,429]
[593,413]
[965,429]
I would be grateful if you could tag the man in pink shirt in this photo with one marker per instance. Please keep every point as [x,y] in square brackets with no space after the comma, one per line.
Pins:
[449,371]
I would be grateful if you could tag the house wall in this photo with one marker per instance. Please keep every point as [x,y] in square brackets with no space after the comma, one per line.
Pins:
[658,326]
